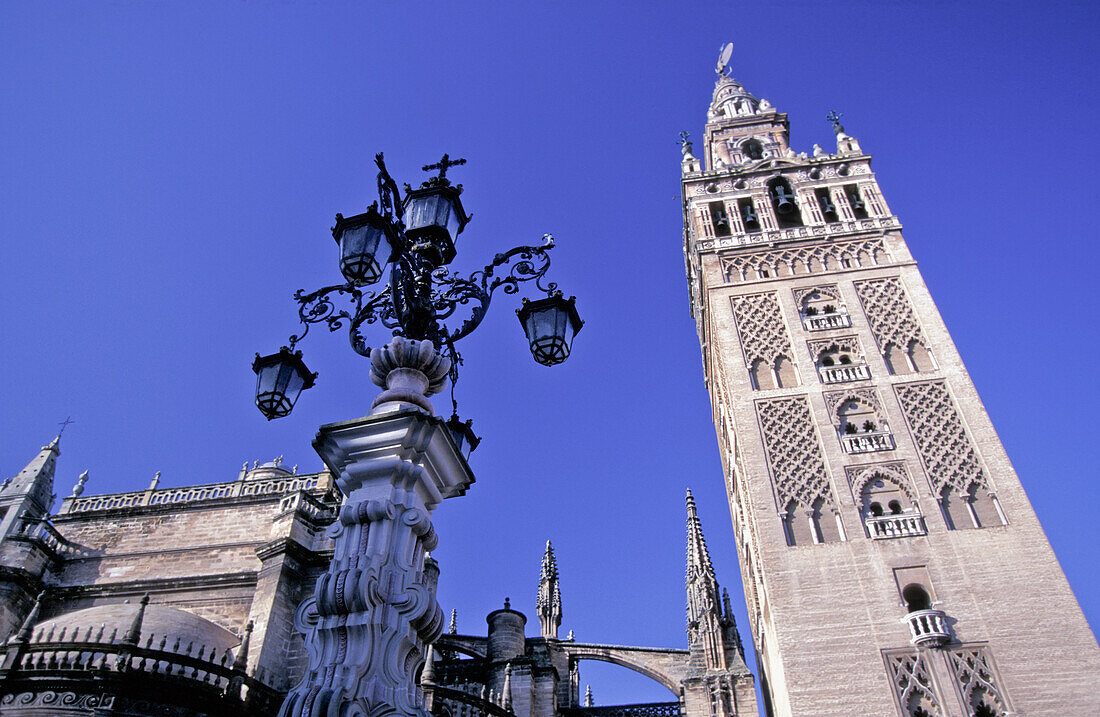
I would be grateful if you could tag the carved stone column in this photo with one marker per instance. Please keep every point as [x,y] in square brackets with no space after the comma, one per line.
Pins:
[374,611]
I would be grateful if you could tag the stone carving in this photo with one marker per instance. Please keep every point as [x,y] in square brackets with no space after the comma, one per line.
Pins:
[889,312]
[835,400]
[804,259]
[948,455]
[858,476]
[794,453]
[849,344]
[825,290]
[409,371]
[976,679]
[761,328]
[912,683]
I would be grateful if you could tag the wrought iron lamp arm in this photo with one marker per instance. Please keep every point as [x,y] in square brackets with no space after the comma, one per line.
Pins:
[479,286]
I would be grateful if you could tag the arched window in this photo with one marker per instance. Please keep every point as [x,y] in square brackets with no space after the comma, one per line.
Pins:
[785,373]
[797,525]
[824,522]
[895,507]
[876,509]
[916,597]
[955,513]
[984,507]
[858,416]
[897,362]
[920,359]
[784,203]
[752,149]
[762,375]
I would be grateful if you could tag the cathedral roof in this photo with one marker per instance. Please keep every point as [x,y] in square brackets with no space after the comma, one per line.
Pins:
[158,621]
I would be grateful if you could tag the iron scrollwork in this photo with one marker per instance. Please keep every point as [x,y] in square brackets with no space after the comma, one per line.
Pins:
[421,295]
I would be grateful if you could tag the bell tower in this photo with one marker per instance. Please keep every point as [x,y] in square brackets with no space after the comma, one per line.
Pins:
[891,561]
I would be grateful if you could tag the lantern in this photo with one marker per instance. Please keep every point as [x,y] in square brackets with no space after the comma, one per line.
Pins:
[433,218]
[550,325]
[462,433]
[365,245]
[280,378]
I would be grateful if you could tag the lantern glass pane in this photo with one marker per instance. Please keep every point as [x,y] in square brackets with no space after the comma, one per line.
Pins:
[432,210]
[363,251]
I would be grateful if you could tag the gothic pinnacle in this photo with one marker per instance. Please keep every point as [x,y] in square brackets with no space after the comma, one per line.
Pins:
[698,558]
[548,601]
[453,627]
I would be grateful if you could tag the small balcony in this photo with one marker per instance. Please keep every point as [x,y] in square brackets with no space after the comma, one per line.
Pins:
[843,373]
[820,322]
[928,627]
[898,525]
[854,443]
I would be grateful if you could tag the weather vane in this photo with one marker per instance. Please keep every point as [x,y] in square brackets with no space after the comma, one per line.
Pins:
[834,117]
[685,141]
[724,59]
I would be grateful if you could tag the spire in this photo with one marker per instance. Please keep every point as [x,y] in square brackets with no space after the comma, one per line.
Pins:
[35,481]
[711,627]
[453,627]
[588,701]
[698,559]
[241,662]
[548,602]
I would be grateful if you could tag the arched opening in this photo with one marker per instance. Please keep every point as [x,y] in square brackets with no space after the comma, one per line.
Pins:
[752,149]
[762,375]
[825,522]
[749,216]
[619,679]
[982,503]
[785,373]
[784,203]
[916,597]
[920,359]
[920,706]
[720,221]
[825,202]
[855,200]
[797,525]
[897,362]
[895,507]
[875,509]
[857,416]
[954,509]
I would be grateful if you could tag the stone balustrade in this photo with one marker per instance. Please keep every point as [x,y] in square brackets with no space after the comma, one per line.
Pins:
[844,373]
[306,504]
[867,442]
[900,525]
[191,494]
[646,709]
[820,322]
[834,229]
[43,532]
[928,627]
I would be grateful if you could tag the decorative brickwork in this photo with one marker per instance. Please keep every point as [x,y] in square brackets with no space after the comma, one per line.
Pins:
[812,259]
[889,312]
[761,328]
[793,450]
[912,683]
[976,679]
[945,449]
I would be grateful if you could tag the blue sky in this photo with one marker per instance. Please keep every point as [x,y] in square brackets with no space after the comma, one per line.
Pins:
[169,173]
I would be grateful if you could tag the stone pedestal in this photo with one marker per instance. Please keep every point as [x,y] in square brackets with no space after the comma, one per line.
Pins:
[374,611]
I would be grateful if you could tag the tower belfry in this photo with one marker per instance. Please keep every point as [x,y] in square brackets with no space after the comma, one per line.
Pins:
[891,561]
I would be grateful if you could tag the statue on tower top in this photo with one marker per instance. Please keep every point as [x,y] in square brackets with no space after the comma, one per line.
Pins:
[724,59]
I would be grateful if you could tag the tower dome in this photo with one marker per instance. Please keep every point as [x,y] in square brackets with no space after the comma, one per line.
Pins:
[731,99]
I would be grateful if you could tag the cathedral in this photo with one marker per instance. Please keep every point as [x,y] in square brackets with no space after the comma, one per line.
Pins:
[891,562]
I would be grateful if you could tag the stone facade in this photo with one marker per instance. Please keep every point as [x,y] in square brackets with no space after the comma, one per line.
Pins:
[183,601]
[892,563]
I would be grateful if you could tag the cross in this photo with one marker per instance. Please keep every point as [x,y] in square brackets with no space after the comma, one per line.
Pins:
[442,165]
[64,424]
[833,116]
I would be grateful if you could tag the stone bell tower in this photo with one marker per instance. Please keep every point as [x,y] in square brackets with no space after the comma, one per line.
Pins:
[892,563]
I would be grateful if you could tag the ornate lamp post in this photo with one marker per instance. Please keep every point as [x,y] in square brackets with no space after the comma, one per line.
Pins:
[374,609]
